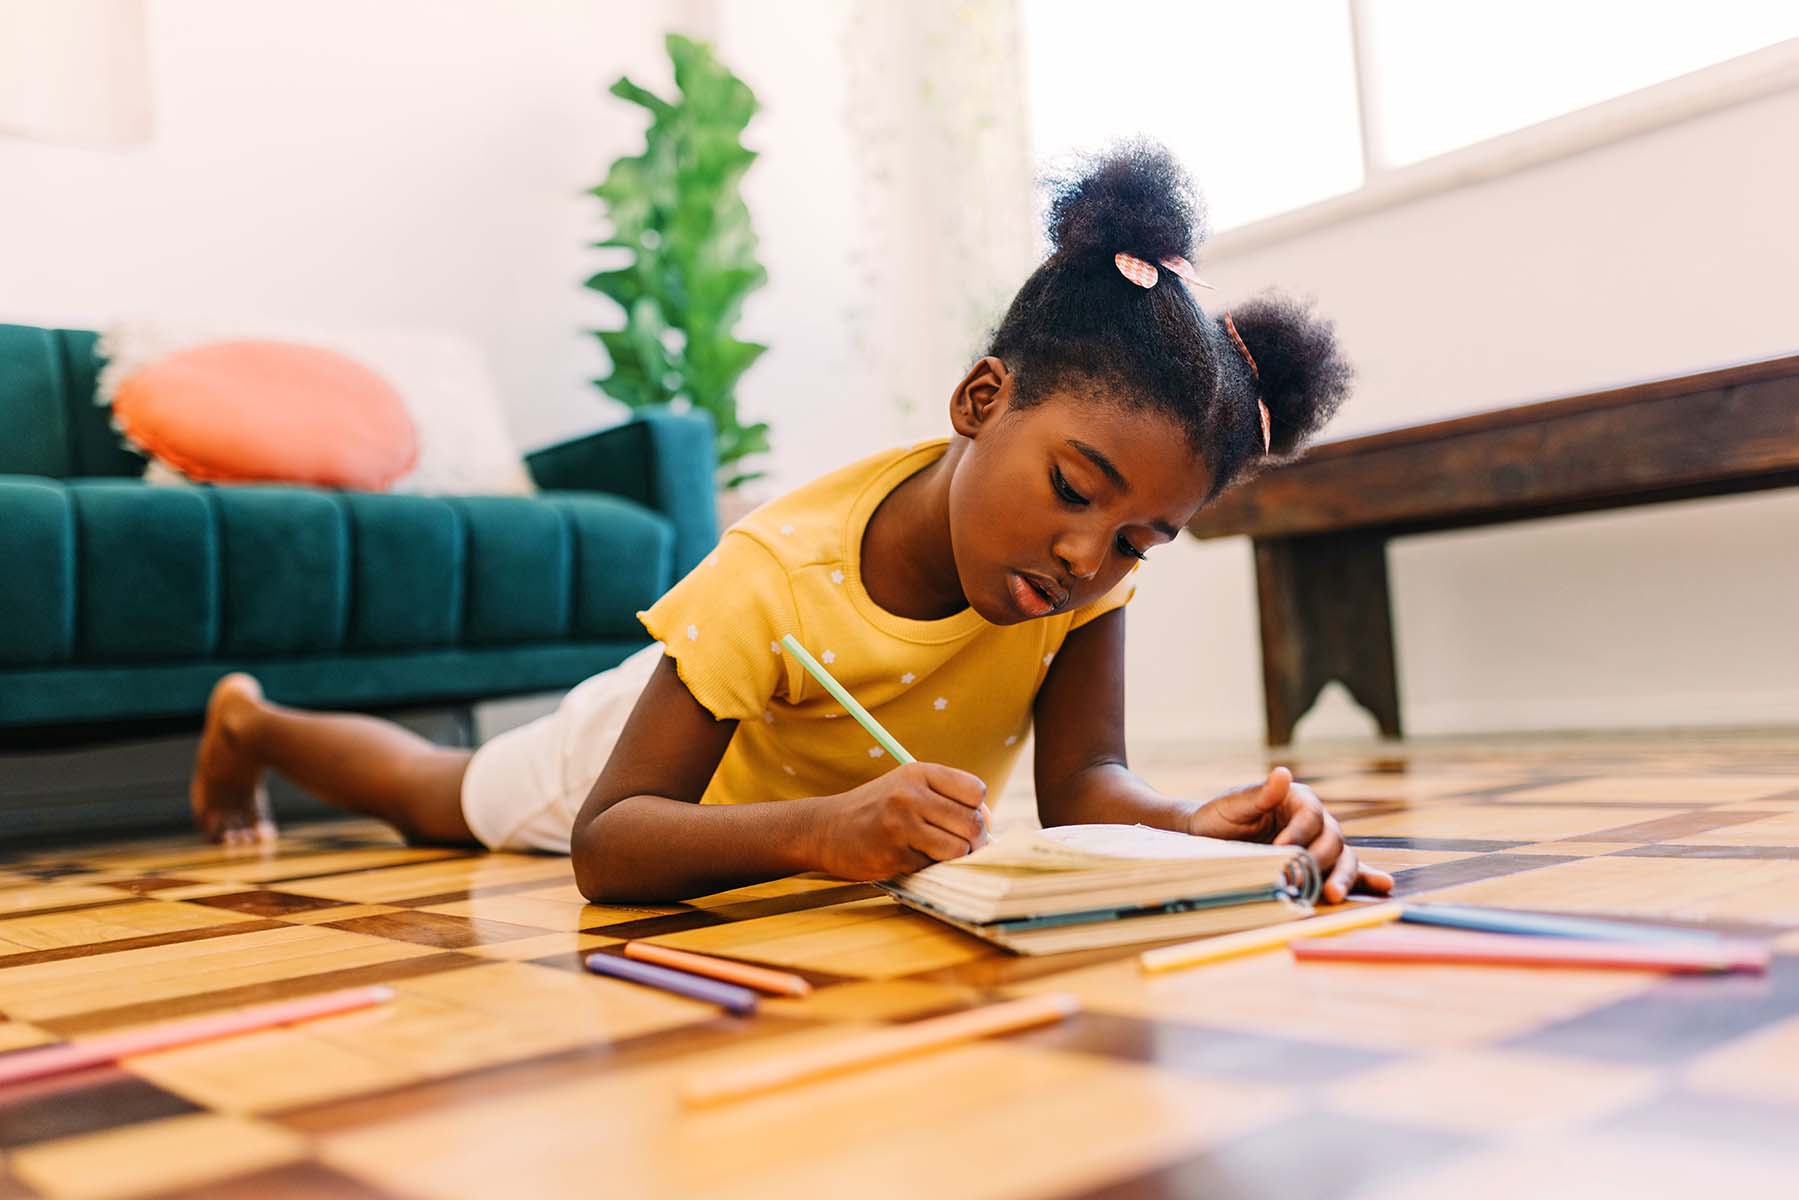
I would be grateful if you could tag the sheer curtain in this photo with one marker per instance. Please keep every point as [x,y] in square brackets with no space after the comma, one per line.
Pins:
[941,182]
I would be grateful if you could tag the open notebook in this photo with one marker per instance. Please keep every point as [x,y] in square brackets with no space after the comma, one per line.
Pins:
[1076,887]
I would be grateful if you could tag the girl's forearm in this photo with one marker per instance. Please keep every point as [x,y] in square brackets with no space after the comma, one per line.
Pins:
[653,849]
[1110,794]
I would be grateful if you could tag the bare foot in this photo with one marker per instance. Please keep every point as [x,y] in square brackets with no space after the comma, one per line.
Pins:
[230,800]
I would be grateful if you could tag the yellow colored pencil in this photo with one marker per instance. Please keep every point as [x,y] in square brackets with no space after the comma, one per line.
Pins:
[875,1046]
[1272,937]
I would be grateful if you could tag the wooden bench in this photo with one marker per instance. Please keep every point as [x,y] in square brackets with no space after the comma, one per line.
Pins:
[1321,525]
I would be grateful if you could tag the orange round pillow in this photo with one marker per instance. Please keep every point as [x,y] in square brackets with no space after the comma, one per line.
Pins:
[262,412]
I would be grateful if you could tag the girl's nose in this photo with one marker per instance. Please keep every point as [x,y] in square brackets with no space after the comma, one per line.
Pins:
[1082,558]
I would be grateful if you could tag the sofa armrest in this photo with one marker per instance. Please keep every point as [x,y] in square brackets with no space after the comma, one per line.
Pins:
[661,459]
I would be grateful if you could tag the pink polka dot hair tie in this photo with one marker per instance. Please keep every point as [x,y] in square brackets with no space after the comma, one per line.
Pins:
[1145,275]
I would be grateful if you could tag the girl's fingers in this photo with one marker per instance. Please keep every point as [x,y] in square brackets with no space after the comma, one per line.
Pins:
[1246,811]
[958,785]
[1327,846]
[1305,827]
[938,845]
[914,860]
[1274,791]
[952,816]
[1376,880]
[1337,884]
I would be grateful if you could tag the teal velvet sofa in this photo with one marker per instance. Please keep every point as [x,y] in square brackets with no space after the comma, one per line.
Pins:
[121,603]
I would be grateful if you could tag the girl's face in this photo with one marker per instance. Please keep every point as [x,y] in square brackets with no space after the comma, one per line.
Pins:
[1051,505]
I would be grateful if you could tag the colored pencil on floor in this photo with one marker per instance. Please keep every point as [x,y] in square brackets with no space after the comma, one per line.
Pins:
[37,1062]
[1269,937]
[1504,920]
[876,1046]
[1498,949]
[776,983]
[728,996]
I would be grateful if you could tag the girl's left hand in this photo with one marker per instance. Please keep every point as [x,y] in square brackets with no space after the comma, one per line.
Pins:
[1289,814]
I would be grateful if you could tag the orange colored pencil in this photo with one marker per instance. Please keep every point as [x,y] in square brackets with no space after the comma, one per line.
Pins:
[857,1050]
[775,983]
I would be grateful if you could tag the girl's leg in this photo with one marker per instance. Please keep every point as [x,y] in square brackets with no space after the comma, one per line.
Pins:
[362,764]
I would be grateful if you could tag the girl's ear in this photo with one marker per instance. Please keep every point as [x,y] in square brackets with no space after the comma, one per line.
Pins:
[980,397]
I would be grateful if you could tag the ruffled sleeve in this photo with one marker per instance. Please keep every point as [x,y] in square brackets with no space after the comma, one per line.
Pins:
[723,624]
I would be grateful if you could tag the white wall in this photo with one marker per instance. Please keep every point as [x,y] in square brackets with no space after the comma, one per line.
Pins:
[402,164]
[800,193]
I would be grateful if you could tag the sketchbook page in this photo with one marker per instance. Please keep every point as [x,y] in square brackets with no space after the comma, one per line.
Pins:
[1081,847]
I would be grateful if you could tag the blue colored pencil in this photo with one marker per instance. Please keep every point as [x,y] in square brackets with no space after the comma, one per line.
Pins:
[1500,920]
[729,996]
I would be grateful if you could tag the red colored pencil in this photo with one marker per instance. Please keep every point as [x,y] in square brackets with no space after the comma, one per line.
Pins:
[1498,949]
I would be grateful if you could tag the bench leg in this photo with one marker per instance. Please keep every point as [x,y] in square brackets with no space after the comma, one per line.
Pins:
[1325,615]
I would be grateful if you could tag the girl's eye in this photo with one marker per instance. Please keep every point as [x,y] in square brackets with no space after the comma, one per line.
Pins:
[1060,483]
[1125,548]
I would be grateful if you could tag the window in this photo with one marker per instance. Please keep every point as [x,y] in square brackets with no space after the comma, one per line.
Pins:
[1445,75]
[1257,98]
[1279,104]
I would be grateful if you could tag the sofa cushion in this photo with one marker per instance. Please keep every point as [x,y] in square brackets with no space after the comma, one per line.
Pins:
[268,412]
[284,571]
[437,384]
[37,585]
[510,539]
[114,572]
[146,573]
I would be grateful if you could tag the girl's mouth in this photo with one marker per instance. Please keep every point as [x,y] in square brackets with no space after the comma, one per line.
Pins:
[1031,597]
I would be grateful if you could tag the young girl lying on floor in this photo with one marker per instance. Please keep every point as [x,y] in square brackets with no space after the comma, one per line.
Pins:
[965,590]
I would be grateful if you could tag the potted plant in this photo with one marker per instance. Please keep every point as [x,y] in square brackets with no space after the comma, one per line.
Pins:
[677,210]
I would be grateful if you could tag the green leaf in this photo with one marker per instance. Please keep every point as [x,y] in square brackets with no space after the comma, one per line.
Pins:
[624,286]
[624,89]
[679,209]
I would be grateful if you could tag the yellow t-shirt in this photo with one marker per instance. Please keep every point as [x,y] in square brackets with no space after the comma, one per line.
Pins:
[956,691]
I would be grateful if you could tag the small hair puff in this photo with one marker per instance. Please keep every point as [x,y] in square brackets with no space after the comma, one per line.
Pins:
[1304,377]
[1133,198]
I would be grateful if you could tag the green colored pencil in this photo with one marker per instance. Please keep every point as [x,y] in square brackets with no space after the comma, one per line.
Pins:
[863,718]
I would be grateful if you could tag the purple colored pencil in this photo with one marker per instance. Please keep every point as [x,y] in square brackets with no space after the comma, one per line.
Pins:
[728,996]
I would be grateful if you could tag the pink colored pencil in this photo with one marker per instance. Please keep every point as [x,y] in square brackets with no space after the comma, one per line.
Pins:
[38,1062]
[1497,949]
[776,983]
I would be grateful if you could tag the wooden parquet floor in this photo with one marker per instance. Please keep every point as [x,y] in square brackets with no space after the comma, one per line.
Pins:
[504,1069]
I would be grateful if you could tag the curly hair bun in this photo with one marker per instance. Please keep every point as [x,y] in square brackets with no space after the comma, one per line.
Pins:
[1132,198]
[1303,377]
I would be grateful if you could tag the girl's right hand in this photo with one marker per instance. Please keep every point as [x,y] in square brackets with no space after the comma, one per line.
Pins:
[907,819]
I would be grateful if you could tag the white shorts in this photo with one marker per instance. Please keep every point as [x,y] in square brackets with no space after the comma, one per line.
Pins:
[523,788]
